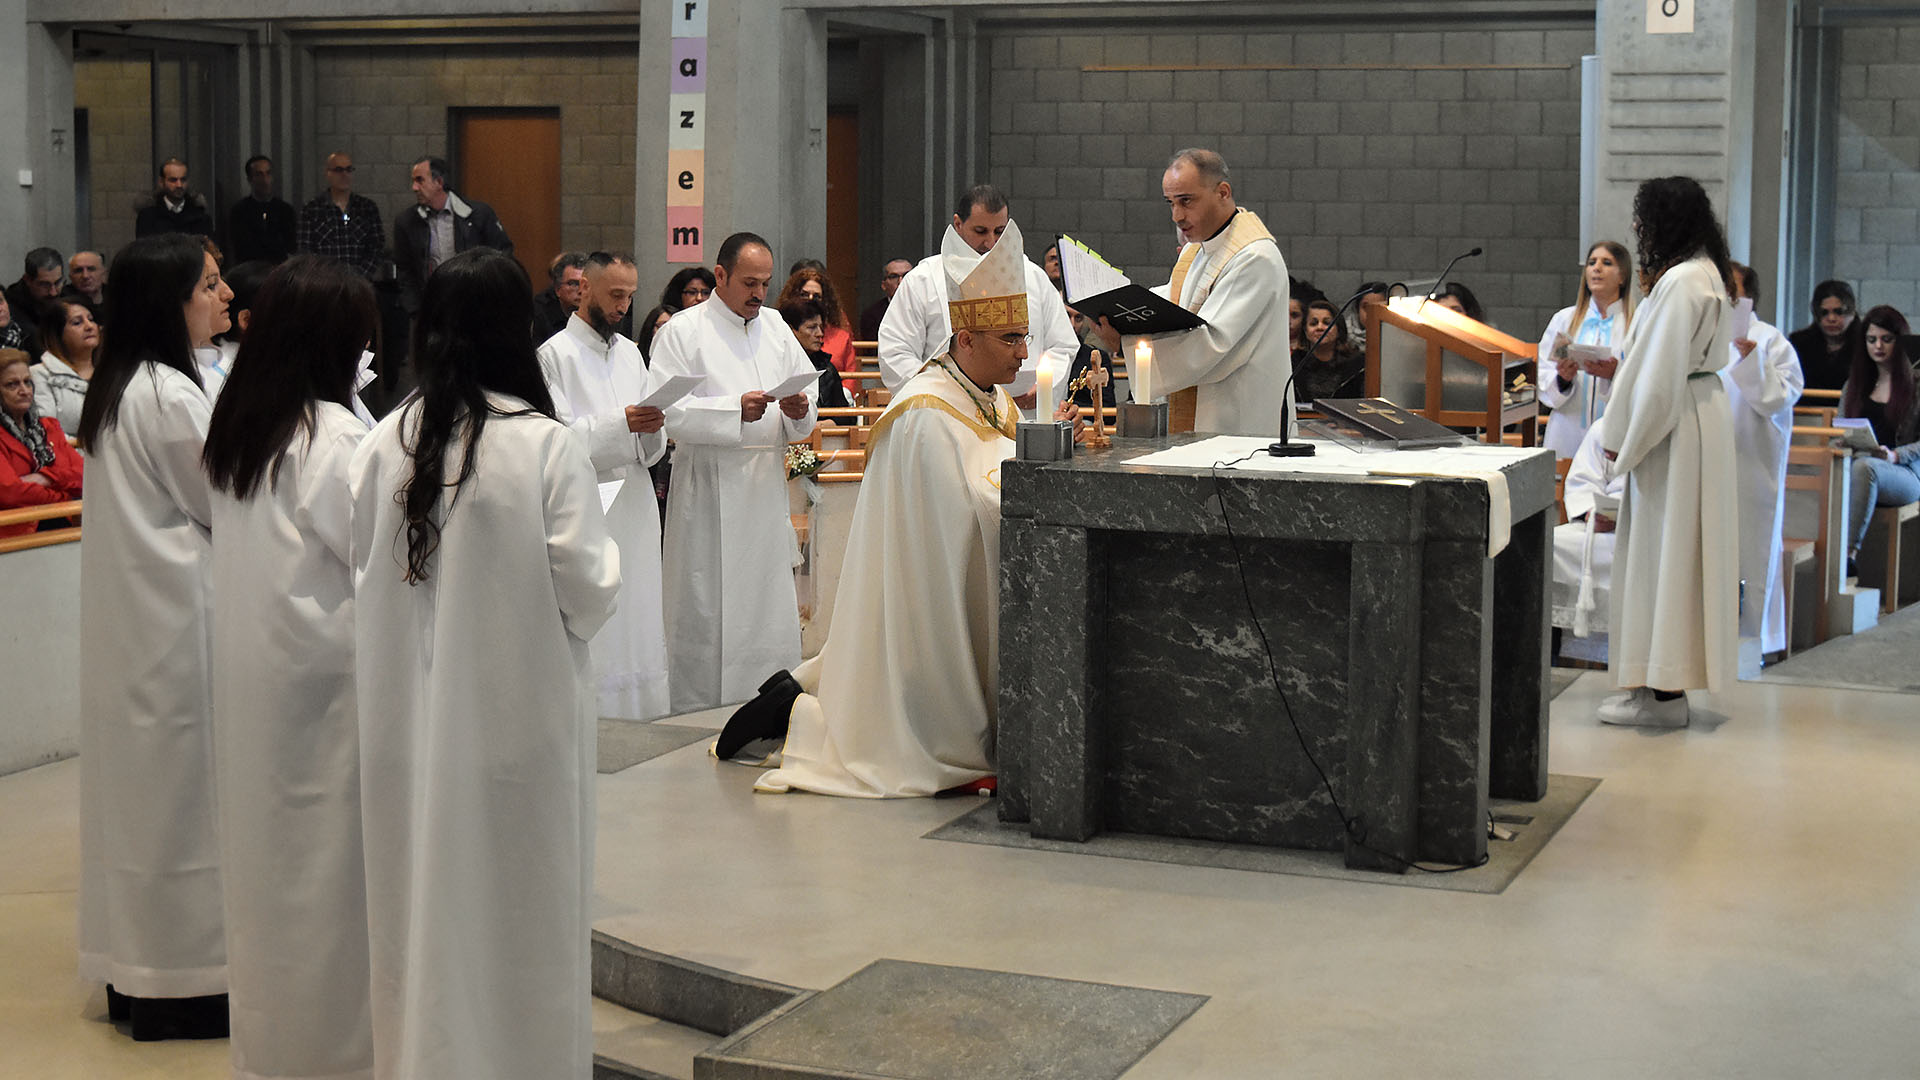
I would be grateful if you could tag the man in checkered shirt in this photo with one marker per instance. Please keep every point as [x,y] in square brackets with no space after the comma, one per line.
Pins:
[341,224]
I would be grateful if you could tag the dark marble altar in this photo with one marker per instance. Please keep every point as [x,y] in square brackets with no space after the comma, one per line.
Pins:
[1135,694]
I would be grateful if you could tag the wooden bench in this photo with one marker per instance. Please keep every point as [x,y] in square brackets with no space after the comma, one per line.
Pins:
[1889,522]
[35,514]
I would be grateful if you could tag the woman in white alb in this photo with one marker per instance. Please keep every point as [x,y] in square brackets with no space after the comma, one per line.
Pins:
[286,737]
[1601,315]
[150,905]
[1669,429]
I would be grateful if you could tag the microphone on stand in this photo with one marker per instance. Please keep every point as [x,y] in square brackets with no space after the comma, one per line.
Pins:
[1285,447]
[1442,279]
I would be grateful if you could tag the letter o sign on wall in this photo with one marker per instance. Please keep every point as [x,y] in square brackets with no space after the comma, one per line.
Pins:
[1669,16]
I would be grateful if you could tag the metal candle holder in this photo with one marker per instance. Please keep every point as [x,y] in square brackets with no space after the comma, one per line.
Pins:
[1141,420]
[1043,440]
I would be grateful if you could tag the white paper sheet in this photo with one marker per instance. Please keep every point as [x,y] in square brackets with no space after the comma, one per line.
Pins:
[675,388]
[1085,273]
[1742,318]
[794,385]
[610,491]
[1470,462]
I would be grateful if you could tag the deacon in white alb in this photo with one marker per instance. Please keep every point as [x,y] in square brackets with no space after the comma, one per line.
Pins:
[1675,617]
[901,699]
[916,327]
[1583,551]
[597,379]
[1230,273]
[728,564]
[1763,381]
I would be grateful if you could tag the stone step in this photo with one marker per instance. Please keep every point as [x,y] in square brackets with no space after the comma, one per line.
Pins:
[634,1046]
[681,992]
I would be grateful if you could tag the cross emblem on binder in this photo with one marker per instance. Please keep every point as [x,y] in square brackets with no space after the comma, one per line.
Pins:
[1132,314]
[1368,408]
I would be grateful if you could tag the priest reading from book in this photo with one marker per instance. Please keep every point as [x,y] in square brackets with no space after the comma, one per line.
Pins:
[1230,273]
[915,328]
[901,699]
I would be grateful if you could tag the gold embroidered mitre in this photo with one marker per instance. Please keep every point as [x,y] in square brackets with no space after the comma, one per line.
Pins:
[994,295]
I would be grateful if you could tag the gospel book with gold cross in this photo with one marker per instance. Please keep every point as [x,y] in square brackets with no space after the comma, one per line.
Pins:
[1095,287]
[1379,421]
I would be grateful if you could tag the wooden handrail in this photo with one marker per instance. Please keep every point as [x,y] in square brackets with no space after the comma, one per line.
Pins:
[1819,431]
[39,539]
[46,512]
[1821,395]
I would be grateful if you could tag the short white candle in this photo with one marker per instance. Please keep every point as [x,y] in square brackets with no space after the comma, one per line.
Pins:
[1044,405]
[1143,371]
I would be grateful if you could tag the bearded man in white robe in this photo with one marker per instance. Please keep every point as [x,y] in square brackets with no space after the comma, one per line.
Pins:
[917,327]
[1230,273]
[1763,380]
[597,379]
[727,568]
[901,699]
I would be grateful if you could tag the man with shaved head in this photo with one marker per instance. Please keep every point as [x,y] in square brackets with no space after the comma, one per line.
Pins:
[340,224]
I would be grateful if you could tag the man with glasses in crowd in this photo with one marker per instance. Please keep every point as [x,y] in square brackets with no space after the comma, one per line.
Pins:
[876,311]
[340,224]
[1826,344]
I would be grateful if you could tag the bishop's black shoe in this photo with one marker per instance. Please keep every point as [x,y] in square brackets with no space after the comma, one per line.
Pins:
[155,1019]
[765,717]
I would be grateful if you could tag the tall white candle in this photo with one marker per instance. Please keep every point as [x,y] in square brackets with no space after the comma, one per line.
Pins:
[1044,405]
[1142,372]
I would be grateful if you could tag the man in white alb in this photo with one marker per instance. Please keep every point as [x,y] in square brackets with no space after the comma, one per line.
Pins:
[732,615]
[597,379]
[1231,274]
[917,327]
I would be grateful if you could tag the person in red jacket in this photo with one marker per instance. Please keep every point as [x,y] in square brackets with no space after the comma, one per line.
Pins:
[37,466]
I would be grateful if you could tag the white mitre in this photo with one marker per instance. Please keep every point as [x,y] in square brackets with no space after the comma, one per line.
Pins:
[992,293]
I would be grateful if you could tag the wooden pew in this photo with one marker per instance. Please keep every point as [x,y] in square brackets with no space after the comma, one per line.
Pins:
[35,514]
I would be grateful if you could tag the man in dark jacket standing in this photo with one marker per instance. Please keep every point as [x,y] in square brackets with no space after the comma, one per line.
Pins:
[260,226]
[439,226]
[175,209]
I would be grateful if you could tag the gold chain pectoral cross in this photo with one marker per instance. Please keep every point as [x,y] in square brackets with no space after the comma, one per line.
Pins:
[1369,409]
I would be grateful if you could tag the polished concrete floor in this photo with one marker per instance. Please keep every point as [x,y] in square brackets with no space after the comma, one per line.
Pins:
[1737,899]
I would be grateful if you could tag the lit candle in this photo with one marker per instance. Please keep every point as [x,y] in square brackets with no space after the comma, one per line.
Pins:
[1044,406]
[1142,371]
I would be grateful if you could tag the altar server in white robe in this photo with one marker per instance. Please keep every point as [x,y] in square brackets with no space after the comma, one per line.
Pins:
[1669,429]
[1230,272]
[598,379]
[150,905]
[732,614]
[1583,551]
[474,598]
[1763,381]
[901,699]
[287,738]
[1601,312]
[917,327]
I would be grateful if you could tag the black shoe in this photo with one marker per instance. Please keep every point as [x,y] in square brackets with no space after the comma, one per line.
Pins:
[117,1005]
[765,717]
[155,1019]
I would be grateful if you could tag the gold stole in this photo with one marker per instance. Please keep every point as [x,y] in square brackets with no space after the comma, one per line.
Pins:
[1245,228]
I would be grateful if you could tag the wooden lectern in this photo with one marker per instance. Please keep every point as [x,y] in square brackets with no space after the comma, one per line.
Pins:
[1450,369]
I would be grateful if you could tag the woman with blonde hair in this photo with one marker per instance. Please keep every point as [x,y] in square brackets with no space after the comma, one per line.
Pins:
[810,283]
[1601,313]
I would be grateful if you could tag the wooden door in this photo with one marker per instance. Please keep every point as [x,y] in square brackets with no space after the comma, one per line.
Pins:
[843,210]
[510,160]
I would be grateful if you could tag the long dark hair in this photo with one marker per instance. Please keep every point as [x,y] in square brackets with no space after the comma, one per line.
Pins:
[470,338]
[1673,221]
[310,320]
[245,280]
[153,278]
[644,329]
[1863,374]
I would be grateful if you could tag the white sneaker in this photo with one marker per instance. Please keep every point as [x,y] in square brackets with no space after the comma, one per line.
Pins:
[1618,700]
[1642,709]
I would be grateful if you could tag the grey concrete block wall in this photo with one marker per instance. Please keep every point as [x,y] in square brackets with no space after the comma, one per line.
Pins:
[1381,171]
[117,94]
[388,106]
[1876,237]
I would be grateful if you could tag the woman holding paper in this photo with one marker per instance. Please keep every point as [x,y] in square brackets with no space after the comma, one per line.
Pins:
[1576,389]
[1880,390]
[1669,429]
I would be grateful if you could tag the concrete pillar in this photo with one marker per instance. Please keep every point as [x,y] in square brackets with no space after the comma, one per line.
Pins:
[36,136]
[1707,104]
